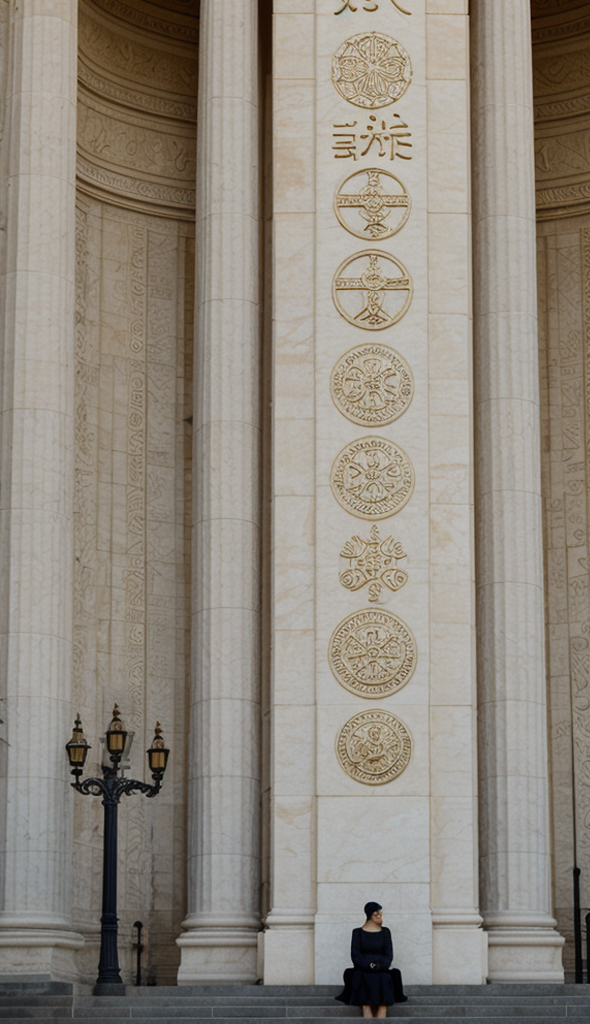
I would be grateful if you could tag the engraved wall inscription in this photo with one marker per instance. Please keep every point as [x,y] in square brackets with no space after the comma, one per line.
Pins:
[379,138]
[373,478]
[372,385]
[371,70]
[372,290]
[368,5]
[372,203]
[374,747]
[373,562]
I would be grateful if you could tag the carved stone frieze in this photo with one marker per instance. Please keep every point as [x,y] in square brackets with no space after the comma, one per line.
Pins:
[372,385]
[373,478]
[374,747]
[134,62]
[175,19]
[372,653]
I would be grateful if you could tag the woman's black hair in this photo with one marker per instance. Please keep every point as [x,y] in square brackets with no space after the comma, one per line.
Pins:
[372,908]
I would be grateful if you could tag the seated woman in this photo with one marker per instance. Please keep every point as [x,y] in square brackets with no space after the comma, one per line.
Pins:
[370,983]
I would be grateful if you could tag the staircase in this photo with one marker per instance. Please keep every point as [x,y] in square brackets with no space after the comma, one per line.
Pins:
[56,1003]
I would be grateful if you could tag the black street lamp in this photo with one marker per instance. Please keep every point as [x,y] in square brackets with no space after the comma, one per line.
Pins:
[111,787]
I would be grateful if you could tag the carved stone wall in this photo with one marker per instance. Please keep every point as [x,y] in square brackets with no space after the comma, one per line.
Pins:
[561,68]
[134,314]
[561,49]
[137,104]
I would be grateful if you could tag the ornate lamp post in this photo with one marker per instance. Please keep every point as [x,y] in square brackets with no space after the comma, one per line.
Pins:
[111,787]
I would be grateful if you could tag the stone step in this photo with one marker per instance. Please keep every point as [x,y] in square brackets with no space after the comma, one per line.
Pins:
[321,1001]
[217,1016]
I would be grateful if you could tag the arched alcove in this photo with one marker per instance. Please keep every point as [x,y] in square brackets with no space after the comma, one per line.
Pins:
[134,319]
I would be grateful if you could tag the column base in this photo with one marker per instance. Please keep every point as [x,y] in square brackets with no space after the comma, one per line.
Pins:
[39,952]
[459,948]
[223,953]
[287,948]
[523,948]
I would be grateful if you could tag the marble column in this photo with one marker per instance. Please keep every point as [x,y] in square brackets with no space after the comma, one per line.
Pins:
[36,489]
[514,822]
[220,941]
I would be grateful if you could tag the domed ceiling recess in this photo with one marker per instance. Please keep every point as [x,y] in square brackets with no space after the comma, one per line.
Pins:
[137,103]
[561,77]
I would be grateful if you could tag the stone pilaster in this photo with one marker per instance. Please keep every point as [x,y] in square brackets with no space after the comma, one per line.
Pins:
[36,487]
[224,774]
[515,865]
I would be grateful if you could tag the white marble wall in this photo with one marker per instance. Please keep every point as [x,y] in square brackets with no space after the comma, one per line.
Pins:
[336,842]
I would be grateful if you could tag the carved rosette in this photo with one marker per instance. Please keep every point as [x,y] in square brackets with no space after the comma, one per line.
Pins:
[372,385]
[372,478]
[372,653]
[374,747]
[371,70]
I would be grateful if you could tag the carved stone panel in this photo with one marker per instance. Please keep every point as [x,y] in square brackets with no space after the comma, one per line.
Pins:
[374,747]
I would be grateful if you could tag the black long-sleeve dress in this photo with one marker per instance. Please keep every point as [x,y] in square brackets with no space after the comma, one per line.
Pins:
[367,985]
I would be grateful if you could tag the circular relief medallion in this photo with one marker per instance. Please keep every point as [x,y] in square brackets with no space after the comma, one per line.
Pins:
[372,290]
[374,747]
[373,478]
[372,204]
[372,653]
[372,385]
[371,70]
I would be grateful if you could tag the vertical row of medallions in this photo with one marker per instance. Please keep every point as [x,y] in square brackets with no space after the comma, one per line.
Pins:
[372,651]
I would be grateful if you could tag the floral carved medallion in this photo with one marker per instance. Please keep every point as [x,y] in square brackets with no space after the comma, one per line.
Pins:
[374,747]
[372,653]
[371,70]
[373,562]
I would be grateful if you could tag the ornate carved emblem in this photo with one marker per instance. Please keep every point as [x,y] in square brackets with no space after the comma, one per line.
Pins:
[374,747]
[373,478]
[372,385]
[372,203]
[373,562]
[371,70]
[372,290]
[372,653]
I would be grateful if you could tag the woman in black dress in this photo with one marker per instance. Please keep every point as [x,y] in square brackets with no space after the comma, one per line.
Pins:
[369,983]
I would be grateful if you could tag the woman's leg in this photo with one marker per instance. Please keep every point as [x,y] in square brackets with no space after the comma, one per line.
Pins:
[381,1011]
[367,1012]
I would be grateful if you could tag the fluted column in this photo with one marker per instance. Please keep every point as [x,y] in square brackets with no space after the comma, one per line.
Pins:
[515,856]
[36,488]
[224,773]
